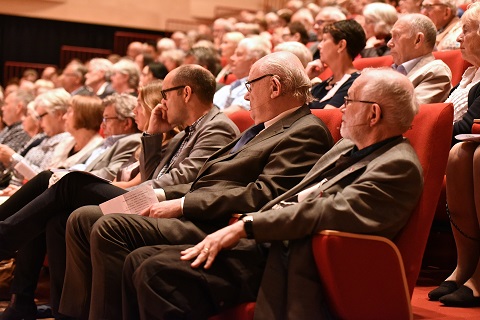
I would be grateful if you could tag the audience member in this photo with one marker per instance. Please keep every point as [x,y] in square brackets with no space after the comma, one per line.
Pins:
[230,98]
[172,59]
[50,73]
[29,75]
[327,15]
[143,59]
[326,199]
[220,27]
[178,37]
[165,44]
[42,86]
[410,6]
[98,76]
[411,46]
[72,79]
[153,72]
[125,77]
[229,43]
[298,49]
[281,158]
[342,42]
[379,20]
[443,13]
[133,50]
[207,58]
[295,31]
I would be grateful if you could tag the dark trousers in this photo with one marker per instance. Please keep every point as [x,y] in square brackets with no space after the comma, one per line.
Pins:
[28,214]
[158,285]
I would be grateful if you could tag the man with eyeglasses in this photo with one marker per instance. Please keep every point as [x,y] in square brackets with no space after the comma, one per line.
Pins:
[230,97]
[443,14]
[327,15]
[368,183]
[411,47]
[267,160]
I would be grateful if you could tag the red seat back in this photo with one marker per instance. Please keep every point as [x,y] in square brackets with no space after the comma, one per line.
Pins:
[453,59]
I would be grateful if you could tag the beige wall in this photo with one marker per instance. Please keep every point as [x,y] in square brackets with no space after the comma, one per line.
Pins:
[141,14]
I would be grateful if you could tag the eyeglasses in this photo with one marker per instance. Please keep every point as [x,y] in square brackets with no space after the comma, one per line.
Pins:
[163,92]
[320,21]
[429,7]
[248,83]
[348,101]
[40,116]
[105,119]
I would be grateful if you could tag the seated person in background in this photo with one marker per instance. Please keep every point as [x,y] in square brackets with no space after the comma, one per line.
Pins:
[50,108]
[152,72]
[14,109]
[229,43]
[230,97]
[411,46]
[238,178]
[327,15]
[98,75]
[379,20]
[443,14]
[125,77]
[189,105]
[298,49]
[353,188]
[72,79]
[466,96]
[342,42]
[119,127]
[205,57]
[462,287]
[410,6]
[295,31]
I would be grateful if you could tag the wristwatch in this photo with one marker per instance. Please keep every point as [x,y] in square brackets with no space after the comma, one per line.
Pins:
[248,225]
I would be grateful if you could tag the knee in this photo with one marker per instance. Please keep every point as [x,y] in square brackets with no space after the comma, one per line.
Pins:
[81,221]
[106,229]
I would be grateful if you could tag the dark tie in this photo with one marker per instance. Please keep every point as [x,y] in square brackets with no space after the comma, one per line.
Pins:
[247,136]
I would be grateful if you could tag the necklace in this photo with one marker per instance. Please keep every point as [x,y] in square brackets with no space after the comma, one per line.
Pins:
[330,85]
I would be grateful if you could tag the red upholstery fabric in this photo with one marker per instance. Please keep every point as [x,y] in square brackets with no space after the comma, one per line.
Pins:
[374,62]
[430,136]
[453,59]
[242,119]
[332,119]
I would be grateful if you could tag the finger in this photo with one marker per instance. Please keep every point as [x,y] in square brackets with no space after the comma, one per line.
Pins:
[145,212]
[211,257]
[188,253]
[200,258]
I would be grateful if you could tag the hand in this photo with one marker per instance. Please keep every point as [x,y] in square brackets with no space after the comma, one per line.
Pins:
[6,154]
[158,120]
[10,190]
[164,209]
[207,250]
[314,68]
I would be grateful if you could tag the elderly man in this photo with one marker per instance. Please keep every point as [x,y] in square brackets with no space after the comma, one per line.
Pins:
[326,16]
[207,130]
[241,177]
[346,190]
[72,79]
[230,97]
[14,110]
[411,46]
[125,77]
[443,13]
[98,76]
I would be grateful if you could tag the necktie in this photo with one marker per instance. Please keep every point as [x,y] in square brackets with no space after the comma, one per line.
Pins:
[247,136]
[230,98]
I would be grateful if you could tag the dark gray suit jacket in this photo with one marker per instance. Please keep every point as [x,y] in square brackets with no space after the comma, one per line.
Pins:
[269,165]
[214,132]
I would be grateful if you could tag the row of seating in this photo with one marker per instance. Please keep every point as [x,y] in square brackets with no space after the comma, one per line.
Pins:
[452,58]
[369,277]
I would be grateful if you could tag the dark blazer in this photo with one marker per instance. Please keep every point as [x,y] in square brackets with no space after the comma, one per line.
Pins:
[269,165]
[374,196]
[213,133]
[473,112]
[108,163]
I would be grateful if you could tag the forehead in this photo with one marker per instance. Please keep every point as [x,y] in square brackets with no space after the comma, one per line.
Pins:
[110,109]
[400,27]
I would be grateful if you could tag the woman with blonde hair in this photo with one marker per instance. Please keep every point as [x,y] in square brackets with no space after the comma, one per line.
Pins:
[379,20]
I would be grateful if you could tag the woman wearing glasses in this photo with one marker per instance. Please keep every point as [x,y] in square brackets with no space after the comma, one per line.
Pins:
[342,42]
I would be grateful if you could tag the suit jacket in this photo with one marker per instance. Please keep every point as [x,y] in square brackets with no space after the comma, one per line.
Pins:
[108,163]
[373,196]
[473,112]
[267,166]
[432,80]
[214,132]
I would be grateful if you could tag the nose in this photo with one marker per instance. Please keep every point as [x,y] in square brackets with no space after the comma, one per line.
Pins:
[247,96]
[390,43]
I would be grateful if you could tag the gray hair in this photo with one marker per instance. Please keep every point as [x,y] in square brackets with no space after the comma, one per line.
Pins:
[79,70]
[417,22]
[384,16]
[472,15]
[23,97]
[450,4]
[396,97]
[102,64]
[293,79]
[123,103]
[55,100]
[129,68]
[299,49]
[256,47]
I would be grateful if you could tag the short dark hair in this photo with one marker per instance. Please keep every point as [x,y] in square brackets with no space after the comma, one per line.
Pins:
[350,31]
[199,79]
[206,57]
[158,70]
[298,27]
